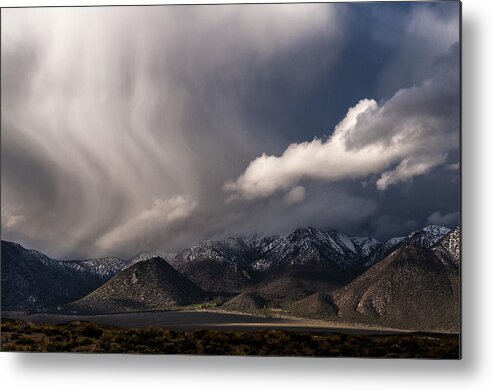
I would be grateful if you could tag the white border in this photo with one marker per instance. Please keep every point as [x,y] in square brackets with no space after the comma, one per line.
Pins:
[474,372]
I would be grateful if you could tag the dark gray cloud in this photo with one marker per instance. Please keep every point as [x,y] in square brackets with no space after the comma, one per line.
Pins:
[396,139]
[449,219]
[120,137]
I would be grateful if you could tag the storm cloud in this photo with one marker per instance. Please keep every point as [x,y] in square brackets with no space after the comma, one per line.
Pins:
[151,128]
[398,139]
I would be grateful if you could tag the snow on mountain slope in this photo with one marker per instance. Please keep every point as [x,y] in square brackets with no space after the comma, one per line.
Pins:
[34,282]
[236,260]
[346,241]
[392,242]
[219,265]
[365,245]
[305,246]
[242,251]
[384,249]
[309,246]
[107,267]
[426,238]
[104,268]
[448,248]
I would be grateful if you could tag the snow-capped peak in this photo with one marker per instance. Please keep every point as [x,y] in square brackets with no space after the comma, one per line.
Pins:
[436,230]
[428,236]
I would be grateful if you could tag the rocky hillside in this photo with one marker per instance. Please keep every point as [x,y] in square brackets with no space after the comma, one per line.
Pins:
[31,281]
[448,249]
[316,306]
[246,302]
[148,285]
[408,289]
[410,282]
[425,238]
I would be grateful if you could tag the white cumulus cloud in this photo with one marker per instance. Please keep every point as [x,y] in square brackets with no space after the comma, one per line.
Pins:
[397,139]
[408,169]
[295,196]
[449,219]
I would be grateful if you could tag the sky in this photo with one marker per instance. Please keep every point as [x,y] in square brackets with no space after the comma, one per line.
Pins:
[125,129]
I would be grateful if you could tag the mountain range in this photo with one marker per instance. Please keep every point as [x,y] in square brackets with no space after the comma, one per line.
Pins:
[410,282]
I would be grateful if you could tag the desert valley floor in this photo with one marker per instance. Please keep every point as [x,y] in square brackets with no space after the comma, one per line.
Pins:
[198,320]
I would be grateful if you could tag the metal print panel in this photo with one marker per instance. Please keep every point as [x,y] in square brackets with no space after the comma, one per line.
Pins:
[269,179]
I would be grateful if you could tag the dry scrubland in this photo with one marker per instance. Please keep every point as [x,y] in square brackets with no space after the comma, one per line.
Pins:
[88,337]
